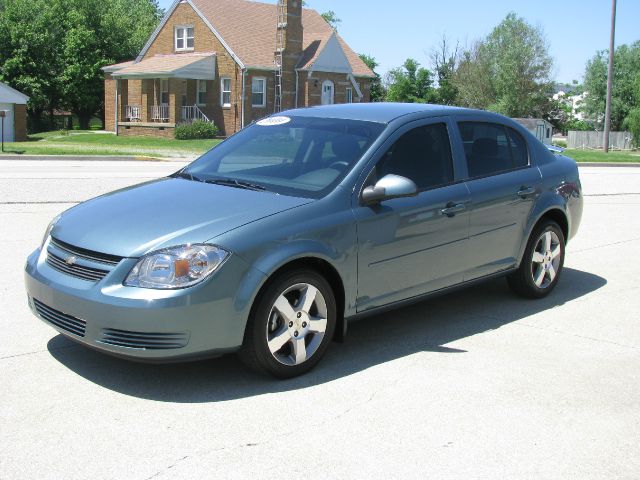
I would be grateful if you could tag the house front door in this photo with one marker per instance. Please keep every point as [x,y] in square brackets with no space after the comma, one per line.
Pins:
[327,92]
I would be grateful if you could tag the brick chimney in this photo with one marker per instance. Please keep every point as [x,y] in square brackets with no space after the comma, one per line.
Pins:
[292,51]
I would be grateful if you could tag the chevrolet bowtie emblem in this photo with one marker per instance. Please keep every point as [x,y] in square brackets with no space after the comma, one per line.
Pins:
[71,260]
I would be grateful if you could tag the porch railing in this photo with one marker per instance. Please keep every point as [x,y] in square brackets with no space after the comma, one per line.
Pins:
[159,113]
[191,113]
[133,113]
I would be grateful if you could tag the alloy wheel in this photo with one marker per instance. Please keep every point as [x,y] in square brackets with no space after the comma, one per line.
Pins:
[297,324]
[545,262]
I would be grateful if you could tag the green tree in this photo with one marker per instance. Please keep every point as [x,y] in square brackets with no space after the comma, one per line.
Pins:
[30,56]
[410,83]
[54,50]
[626,84]
[509,71]
[444,61]
[332,19]
[377,89]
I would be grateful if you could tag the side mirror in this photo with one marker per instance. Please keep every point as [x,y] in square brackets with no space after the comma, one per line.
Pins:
[388,187]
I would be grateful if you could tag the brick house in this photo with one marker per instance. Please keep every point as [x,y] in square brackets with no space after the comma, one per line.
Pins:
[206,56]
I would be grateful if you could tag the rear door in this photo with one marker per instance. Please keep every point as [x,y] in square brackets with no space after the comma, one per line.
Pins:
[503,186]
[410,246]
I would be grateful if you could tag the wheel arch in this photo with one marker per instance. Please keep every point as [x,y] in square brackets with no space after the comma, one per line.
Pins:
[318,262]
[553,212]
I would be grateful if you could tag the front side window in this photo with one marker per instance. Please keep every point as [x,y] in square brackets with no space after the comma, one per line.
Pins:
[225,92]
[422,155]
[202,92]
[184,37]
[258,92]
[491,148]
[304,156]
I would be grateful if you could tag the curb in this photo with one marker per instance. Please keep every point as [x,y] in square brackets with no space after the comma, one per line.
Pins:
[608,164]
[93,158]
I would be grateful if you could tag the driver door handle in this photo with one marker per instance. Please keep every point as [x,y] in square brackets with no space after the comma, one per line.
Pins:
[453,208]
[526,192]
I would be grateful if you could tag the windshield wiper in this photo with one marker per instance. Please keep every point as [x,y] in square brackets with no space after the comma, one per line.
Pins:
[186,176]
[230,182]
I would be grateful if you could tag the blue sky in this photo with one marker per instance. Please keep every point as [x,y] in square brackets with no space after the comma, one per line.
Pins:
[392,31]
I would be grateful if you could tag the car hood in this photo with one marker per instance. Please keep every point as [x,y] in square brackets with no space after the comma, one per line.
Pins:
[164,213]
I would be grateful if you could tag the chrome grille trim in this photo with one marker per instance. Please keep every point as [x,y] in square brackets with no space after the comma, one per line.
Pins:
[62,320]
[143,341]
[84,254]
[78,271]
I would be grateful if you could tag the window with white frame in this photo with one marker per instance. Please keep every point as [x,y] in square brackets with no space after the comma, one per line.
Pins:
[202,92]
[258,92]
[225,92]
[349,95]
[184,37]
[164,91]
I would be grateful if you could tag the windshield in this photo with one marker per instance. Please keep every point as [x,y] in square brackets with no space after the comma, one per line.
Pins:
[297,156]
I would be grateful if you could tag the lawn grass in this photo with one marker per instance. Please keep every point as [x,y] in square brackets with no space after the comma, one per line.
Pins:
[586,156]
[92,143]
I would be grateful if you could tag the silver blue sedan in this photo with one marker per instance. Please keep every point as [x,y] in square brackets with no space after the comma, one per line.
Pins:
[270,243]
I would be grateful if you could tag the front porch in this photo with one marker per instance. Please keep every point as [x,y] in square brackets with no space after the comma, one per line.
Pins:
[162,103]
[155,95]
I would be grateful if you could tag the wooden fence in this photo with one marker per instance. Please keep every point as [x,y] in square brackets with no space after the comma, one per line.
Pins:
[595,140]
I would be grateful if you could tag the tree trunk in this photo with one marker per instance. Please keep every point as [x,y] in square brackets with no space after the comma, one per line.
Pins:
[84,119]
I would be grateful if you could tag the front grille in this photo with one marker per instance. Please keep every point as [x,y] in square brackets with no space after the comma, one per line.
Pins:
[79,271]
[62,320]
[85,254]
[144,341]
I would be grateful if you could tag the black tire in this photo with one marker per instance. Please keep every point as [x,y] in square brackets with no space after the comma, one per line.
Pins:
[522,281]
[255,351]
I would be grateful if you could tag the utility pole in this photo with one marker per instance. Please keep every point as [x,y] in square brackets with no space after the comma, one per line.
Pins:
[607,113]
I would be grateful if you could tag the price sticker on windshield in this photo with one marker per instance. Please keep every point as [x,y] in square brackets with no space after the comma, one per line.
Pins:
[273,121]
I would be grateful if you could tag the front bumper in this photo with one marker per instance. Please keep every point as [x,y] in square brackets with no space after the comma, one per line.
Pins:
[148,325]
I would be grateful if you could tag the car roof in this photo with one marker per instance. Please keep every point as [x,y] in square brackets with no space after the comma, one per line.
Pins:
[380,112]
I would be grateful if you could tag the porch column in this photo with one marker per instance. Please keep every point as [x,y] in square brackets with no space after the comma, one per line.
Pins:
[174,96]
[123,100]
[147,99]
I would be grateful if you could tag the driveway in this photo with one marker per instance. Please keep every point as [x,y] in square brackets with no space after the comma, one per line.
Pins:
[474,384]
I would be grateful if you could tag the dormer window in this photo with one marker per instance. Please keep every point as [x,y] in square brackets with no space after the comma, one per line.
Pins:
[184,38]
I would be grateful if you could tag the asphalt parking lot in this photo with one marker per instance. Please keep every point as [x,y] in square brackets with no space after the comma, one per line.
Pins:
[475,384]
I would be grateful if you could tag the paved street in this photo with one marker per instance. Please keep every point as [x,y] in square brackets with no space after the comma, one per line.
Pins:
[475,384]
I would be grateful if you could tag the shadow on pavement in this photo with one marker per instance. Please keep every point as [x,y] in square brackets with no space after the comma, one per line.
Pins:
[427,326]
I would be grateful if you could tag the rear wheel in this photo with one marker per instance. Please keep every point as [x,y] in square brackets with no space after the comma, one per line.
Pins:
[291,325]
[542,262]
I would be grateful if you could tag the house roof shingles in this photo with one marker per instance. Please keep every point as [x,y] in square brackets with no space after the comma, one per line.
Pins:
[249,28]
[161,64]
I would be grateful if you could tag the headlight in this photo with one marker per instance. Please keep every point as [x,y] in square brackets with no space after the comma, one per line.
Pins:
[47,232]
[177,267]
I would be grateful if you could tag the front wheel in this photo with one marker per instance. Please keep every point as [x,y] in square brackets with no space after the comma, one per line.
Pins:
[291,325]
[542,262]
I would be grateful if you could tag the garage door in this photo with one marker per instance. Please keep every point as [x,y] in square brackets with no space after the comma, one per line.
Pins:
[8,121]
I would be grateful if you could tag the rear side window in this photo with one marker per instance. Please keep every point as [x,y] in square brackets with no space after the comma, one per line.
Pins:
[491,148]
[518,148]
[422,155]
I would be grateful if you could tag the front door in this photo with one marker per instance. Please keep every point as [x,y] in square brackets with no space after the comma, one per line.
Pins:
[328,93]
[410,246]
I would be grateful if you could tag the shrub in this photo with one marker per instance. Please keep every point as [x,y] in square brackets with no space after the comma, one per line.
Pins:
[197,130]
[632,123]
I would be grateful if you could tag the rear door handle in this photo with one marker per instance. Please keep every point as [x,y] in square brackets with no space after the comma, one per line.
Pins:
[453,208]
[526,192]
